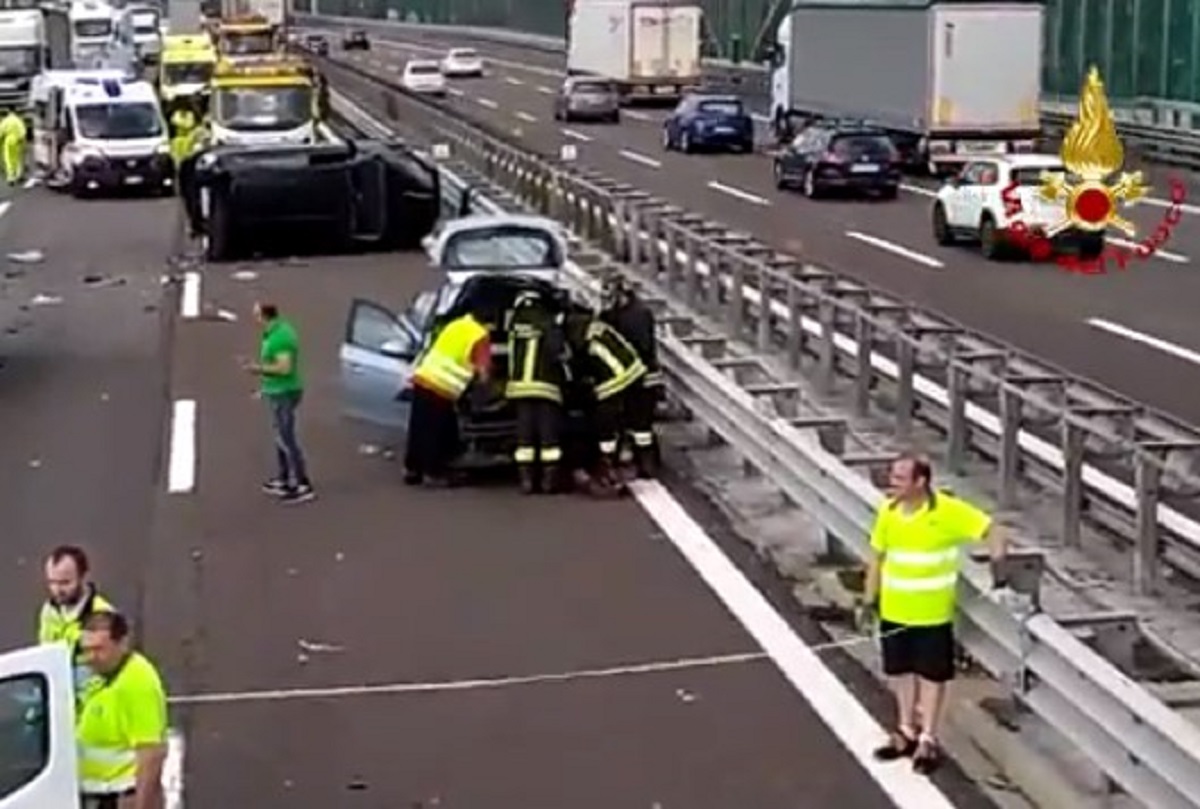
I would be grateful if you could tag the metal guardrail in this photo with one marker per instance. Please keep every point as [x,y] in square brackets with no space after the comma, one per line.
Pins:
[1174,145]
[1151,751]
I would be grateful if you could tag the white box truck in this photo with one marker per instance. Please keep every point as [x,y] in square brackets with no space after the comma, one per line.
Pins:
[948,78]
[23,53]
[650,48]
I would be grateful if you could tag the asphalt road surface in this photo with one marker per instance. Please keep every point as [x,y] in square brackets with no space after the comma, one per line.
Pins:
[376,583]
[1134,331]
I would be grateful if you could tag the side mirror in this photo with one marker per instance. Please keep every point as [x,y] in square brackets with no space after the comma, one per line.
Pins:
[397,349]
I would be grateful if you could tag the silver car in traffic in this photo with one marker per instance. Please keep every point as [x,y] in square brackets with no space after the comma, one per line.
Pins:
[588,98]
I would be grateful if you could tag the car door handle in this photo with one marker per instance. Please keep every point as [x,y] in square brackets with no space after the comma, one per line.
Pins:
[355,368]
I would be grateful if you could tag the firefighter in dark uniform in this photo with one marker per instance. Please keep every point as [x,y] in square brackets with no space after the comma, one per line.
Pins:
[613,368]
[625,312]
[536,376]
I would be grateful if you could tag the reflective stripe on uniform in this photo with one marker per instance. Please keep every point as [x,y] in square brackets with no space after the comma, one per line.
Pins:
[533,390]
[641,439]
[524,455]
[919,585]
[446,365]
[444,374]
[924,557]
[551,454]
[608,447]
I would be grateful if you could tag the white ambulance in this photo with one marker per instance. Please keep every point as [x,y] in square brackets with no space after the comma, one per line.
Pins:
[100,130]
[37,730]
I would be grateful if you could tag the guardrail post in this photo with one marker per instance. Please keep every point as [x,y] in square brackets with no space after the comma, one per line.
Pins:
[1010,450]
[957,435]
[1073,450]
[691,265]
[864,336]
[762,335]
[1146,478]
[906,365]
[734,303]
[670,252]
[827,350]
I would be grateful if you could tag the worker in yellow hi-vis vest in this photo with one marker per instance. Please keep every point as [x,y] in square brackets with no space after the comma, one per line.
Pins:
[183,124]
[13,135]
[71,599]
[912,579]
[121,728]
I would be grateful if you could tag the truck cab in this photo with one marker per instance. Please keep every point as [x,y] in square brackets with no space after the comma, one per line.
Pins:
[22,55]
[267,101]
[185,69]
[37,730]
[100,130]
[92,28]
[251,36]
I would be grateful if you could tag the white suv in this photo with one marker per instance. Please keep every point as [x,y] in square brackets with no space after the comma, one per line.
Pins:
[423,76]
[462,63]
[995,201]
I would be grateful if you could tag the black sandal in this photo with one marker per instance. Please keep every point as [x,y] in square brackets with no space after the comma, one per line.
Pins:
[900,745]
[928,757]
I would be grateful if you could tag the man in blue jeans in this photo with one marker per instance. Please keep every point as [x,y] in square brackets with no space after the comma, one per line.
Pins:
[282,389]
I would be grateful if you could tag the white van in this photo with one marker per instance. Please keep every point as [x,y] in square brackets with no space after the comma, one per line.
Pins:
[100,130]
[139,26]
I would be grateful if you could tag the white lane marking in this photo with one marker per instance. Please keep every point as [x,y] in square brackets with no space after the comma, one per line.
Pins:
[737,193]
[31,182]
[514,82]
[454,92]
[189,300]
[830,699]
[1162,203]
[571,133]
[526,117]
[892,247]
[172,773]
[487,102]
[278,695]
[544,90]
[1165,255]
[181,463]
[4,206]
[637,116]
[640,158]
[1165,346]
[916,189]
[762,119]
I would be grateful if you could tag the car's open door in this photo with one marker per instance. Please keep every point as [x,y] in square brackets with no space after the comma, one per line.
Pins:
[37,729]
[377,358]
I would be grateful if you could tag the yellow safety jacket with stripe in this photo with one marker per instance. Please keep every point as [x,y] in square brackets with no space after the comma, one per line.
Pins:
[445,367]
[128,710]
[56,625]
[616,362]
[921,552]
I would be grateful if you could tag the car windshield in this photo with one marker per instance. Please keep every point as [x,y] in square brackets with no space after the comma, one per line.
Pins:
[1033,176]
[187,73]
[594,88]
[242,44]
[263,108]
[18,61]
[118,121]
[855,146]
[423,69]
[721,107]
[93,28]
[501,249]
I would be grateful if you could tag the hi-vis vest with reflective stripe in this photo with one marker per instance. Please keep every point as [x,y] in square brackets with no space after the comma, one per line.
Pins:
[446,366]
[107,755]
[55,626]
[919,579]
[616,357]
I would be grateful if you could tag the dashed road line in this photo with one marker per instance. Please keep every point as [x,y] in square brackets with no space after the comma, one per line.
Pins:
[1165,346]
[189,299]
[637,116]
[737,193]
[4,206]
[514,81]
[899,250]
[487,102]
[544,90]
[579,136]
[454,91]
[1165,255]
[181,460]
[526,117]
[172,772]
[640,158]
[916,189]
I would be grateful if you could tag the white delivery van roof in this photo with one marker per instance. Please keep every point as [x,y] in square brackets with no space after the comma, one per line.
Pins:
[91,90]
[91,11]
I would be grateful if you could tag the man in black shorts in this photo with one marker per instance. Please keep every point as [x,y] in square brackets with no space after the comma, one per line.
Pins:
[912,579]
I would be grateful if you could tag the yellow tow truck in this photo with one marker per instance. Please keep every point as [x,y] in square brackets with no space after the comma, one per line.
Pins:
[253,36]
[185,69]
[268,100]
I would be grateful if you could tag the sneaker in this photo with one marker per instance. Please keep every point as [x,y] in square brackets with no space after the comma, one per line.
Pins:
[299,494]
[275,486]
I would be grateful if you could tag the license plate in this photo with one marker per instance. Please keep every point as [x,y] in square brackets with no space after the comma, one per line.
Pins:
[980,147]
[133,179]
[724,130]
[664,91]
[865,168]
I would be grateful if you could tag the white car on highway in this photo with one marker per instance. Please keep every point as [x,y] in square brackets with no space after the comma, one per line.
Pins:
[462,63]
[423,76]
[995,202]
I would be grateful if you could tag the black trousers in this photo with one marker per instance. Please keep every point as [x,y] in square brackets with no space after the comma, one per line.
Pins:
[539,431]
[432,434]
[628,414]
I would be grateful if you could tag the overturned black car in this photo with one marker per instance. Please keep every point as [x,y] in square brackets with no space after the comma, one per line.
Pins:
[327,198]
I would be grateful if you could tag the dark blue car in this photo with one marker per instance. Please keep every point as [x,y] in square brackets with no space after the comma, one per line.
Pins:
[709,122]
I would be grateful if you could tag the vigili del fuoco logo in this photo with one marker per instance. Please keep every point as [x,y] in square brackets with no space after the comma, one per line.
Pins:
[1092,153]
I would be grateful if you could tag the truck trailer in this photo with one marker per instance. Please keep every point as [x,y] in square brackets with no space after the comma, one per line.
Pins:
[948,79]
[649,48]
[23,54]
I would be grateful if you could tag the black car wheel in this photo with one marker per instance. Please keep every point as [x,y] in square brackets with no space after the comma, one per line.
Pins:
[989,240]
[941,228]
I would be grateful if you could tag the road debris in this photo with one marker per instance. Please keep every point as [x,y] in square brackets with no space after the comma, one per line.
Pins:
[27,257]
[103,281]
[45,300]
[685,695]
[313,647]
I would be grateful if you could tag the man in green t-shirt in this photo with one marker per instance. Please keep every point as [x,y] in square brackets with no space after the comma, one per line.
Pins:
[278,366]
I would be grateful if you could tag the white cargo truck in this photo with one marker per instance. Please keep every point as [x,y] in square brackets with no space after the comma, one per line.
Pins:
[23,53]
[649,48]
[947,78]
